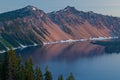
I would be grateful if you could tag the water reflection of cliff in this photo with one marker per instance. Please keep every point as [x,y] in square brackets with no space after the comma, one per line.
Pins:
[66,51]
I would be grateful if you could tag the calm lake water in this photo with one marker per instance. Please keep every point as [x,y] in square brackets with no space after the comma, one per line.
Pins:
[86,61]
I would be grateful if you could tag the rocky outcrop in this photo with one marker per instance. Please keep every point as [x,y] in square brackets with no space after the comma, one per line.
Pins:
[29,26]
[85,24]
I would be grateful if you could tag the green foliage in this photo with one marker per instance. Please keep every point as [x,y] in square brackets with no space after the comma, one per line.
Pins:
[0,66]
[9,65]
[60,77]
[2,47]
[71,77]
[29,72]
[48,75]
[39,32]
[5,67]
[14,14]
[38,74]
[15,35]
[10,39]
[4,43]
[20,73]
[11,68]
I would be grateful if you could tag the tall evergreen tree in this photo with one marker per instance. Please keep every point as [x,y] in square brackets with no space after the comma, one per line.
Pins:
[5,67]
[1,60]
[12,64]
[71,77]
[12,69]
[29,72]
[20,73]
[9,65]
[48,75]
[38,74]
[60,77]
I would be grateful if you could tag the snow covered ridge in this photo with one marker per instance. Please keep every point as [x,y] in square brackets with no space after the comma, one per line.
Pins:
[81,40]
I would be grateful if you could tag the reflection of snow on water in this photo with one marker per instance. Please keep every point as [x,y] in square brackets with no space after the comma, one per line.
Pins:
[71,40]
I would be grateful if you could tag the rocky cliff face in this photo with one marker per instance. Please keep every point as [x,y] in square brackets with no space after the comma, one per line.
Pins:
[29,26]
[85,24]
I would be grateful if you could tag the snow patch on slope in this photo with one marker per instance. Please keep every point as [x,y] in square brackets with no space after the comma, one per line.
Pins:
[20,47]
[34,9]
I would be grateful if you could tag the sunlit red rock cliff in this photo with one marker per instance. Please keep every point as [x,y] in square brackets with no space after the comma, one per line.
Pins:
[30,25]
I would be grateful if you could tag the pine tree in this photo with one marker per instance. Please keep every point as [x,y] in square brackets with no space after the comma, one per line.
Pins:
[19,59]
[29,72]
[9,65]
[5,67]
[1,67]
[60,77]
[12,64]
[38,74]
[71,77]
[20,73]
[48,75]
[12,69]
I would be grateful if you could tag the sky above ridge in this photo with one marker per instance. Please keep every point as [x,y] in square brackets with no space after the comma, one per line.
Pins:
[109,7]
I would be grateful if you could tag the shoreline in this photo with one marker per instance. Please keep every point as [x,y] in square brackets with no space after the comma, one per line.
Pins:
[61,41]
[80,40]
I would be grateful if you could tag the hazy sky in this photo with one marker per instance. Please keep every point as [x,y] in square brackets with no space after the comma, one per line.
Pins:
[110,7]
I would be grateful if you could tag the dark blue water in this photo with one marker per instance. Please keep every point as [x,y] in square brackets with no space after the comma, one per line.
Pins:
[86,61]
